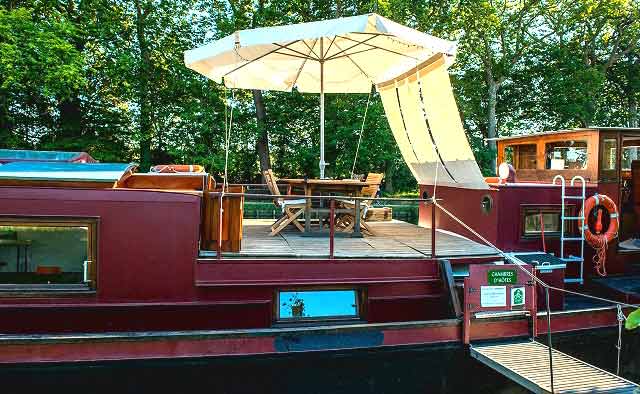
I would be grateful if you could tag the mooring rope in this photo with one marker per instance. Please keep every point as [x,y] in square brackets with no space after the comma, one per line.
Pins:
[621,318]
[535,278]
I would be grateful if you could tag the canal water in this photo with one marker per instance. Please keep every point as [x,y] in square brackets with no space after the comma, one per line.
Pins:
[408,371]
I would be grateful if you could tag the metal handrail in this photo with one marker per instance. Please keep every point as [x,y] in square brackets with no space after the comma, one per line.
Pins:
[332,210]
[320,197]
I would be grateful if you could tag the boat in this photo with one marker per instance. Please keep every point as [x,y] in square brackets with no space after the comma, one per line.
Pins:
[103,262]
[112,264]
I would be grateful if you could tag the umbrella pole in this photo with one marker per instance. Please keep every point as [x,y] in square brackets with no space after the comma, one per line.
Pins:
[322,162]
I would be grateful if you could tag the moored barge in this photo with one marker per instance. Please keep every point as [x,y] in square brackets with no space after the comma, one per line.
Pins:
[99,261]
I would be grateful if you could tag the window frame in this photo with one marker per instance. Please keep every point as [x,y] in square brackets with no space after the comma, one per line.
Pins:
[607,174]
[361,303]
[545,209]
[515,154]
[546,152]
[624,139]
[93,225]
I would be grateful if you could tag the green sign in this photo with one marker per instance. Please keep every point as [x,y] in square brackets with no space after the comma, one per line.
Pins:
[517,296]
[502,277]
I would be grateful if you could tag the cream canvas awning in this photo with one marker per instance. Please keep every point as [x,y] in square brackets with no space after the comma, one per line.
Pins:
[425,122]
[343,55]
[354,52]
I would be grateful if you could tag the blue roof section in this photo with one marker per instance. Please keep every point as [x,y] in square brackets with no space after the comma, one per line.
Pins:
[37,155]
[64,171]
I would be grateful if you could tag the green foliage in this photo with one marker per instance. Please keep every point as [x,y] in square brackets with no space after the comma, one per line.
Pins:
[108,78]
[633,320]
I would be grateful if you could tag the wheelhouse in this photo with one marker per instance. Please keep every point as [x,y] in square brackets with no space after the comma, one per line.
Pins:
[607,158]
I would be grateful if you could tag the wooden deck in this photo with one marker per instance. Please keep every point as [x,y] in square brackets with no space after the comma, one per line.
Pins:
[527,363]
[393,239]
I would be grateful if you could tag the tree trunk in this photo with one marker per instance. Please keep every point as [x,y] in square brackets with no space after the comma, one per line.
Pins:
[143,91]
[389,171]
[492,120]
[633,111]
[70,108]
[262,145]
[70,118]
[5,122]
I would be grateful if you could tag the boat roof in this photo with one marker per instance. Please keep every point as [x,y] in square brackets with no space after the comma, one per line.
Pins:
[64,171]
[566,131]
[9,155]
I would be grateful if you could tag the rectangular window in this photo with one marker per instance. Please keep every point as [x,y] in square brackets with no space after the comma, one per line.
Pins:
[609,154]
[522,157]
[566,155]
[318,304]
[47,254]
[532,225]
[630,152]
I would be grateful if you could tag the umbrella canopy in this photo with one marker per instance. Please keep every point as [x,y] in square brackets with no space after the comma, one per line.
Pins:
[344,55]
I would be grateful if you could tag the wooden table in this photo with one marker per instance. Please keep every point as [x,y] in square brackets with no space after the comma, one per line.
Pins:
[314,187]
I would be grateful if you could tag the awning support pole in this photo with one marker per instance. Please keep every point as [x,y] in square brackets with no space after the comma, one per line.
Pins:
[322,162]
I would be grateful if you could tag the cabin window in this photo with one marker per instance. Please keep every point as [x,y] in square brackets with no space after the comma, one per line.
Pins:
[566,155]
[630,152]
[551,218]
[318,304]
[521,157]
[609,154]
[47,254]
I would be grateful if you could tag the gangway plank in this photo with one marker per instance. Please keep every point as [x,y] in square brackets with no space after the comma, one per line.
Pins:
[527,363]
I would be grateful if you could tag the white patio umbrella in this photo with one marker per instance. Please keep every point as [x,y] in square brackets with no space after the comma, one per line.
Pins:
[344,55]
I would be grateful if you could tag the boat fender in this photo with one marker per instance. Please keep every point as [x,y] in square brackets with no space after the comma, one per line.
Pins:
[177,168]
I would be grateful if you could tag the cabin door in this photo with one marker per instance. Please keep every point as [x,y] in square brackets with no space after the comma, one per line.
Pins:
[629,202]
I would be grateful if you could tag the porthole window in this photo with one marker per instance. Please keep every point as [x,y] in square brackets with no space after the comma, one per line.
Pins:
[486,204]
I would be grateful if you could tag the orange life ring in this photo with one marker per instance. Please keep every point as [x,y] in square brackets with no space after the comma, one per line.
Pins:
[599,241]
[174,168]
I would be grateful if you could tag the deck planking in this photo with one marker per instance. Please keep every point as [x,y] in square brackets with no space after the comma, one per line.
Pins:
[527,363]
[392,239]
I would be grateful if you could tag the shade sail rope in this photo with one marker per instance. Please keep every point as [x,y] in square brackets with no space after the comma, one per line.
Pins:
[434,146]
[228,124]
[433,142]
[364,119]
[404,123]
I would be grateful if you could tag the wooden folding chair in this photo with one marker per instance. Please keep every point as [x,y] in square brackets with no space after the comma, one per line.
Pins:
[346,221]
[291,209]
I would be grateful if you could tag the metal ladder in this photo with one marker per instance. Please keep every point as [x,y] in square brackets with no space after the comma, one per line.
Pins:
[563,238]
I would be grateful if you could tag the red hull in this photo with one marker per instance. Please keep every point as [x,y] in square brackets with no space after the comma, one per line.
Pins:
[190,344]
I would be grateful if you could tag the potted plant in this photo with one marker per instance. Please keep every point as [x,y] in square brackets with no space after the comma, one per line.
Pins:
[295,304]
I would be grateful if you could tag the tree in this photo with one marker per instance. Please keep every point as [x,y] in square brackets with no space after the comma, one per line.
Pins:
[496,35]
[633,320]
[590,38]
[108,77]
[38,65]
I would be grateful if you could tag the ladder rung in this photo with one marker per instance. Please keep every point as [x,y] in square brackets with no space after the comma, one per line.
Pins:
[574,198]
[573,280]
[573,218]
[574,239]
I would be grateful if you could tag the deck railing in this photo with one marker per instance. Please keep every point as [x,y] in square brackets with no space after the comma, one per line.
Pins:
[223,212]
